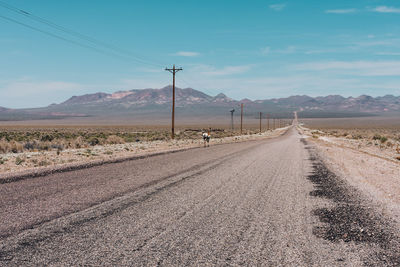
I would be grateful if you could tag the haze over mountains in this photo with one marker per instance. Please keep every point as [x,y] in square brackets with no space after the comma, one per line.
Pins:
[191,102]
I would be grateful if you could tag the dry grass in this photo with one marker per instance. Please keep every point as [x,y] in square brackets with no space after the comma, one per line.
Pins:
[382,133]
[21,138]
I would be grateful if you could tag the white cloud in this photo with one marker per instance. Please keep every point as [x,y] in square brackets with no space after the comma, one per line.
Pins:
[206,70]
[361,68]
[287,50]
[277,7]
[386,9]
[341,11]
[321,51]
[229,70]
[266,50]
[388,53]
[375,43]
[187,54]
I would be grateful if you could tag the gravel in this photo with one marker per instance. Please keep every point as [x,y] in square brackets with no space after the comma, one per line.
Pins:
[352,218]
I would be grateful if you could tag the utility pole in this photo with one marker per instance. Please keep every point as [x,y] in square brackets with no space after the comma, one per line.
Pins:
[233,110]
[260,121]
[241,118]
[267,121]
[173,71]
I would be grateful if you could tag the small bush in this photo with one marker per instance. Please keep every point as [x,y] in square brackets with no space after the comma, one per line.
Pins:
[44,163]
[376,137]
[47,137]
[59,147]
[4,146]
[18,161]
[79,142]
[16,147]
[30,145]
[113,139]
[94,141]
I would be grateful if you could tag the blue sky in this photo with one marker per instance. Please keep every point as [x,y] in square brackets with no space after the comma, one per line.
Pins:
[245,49]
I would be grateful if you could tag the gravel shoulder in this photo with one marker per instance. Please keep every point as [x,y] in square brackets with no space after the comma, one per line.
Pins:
[371,170]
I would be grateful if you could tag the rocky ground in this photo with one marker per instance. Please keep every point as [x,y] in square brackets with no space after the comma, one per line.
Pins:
[13,164]
[367,164]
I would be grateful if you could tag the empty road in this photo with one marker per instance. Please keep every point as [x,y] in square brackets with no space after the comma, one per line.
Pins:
[250,203]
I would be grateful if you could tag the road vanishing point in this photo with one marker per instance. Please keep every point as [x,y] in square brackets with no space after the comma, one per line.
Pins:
[239,204]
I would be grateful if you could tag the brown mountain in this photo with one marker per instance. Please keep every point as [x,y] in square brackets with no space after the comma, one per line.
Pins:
[191,102]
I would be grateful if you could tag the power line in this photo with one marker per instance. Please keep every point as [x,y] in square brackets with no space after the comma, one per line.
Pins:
[73,33]
[114,50]
[53,35]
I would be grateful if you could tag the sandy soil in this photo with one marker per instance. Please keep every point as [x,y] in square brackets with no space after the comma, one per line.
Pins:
[372,168]
[18,163]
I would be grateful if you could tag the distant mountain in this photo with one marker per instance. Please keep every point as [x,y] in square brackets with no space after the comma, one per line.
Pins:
[191,102]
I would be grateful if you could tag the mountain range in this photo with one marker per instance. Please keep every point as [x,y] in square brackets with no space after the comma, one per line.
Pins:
[191,102]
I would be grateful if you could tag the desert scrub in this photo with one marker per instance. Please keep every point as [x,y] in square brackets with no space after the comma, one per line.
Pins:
[4,146]
[357,136]
[19,161]
[10,146]
[43,163]
[114,139]
[376,137]
[79,142]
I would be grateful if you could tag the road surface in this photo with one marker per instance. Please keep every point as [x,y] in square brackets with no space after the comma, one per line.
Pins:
[245,203]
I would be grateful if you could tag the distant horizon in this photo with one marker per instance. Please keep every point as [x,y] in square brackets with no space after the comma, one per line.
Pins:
[253,100]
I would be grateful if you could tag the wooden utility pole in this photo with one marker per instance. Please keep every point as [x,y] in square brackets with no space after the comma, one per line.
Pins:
[233,110]
[173,71]
[241,118]
[260,121]
[267,121]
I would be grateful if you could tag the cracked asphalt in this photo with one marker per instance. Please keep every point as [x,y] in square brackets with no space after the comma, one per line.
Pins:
[241,204]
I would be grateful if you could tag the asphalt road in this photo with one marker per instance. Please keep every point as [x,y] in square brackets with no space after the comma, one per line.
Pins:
[247,203]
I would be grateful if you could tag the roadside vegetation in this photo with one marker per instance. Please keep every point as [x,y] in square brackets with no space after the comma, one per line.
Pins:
[382,136]
[25,148]
[21,139]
